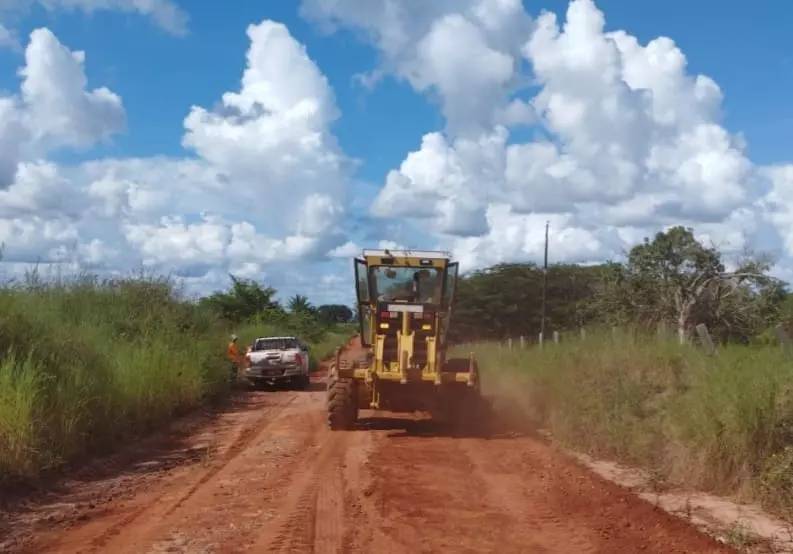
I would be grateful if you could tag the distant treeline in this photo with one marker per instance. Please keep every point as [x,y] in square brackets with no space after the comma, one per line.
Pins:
[670,278]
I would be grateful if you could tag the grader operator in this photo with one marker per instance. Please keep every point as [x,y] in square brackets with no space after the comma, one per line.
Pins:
[405,300]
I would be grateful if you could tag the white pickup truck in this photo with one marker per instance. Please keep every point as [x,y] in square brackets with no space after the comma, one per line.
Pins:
[271,360]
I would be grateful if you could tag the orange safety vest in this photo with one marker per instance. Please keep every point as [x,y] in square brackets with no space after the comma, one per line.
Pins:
[233,353]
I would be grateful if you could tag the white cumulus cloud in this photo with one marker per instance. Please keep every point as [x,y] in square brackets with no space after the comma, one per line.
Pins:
[464,52]
[54,108]
[165,13]
[61,110]
[266,189]
[628,140]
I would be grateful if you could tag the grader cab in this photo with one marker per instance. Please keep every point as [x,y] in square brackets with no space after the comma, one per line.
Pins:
[405,301]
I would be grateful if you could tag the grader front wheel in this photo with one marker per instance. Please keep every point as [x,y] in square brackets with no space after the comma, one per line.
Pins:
[342,404]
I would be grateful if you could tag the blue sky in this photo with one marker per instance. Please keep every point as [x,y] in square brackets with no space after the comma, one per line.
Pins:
[749,55]
[160,75]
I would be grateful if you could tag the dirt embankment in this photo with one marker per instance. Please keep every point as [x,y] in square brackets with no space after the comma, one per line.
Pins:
[267,475]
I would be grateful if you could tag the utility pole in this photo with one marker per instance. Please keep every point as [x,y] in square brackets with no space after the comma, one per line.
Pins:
[544,283]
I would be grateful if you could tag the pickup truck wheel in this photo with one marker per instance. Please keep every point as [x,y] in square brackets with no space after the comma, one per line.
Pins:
[342,406]
[302,382]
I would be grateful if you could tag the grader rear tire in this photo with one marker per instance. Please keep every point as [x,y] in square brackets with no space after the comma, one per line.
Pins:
[342,404]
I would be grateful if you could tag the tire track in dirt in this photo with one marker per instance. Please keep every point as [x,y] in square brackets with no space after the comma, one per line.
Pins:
[513,495]
[565,505]
[246,435]
[521,490]
[365,517]
[312,513]
[329,512]
[425,498]
[153,505]
[548,528]
[222,516]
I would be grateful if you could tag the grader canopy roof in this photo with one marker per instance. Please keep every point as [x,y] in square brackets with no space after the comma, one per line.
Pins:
[429,254]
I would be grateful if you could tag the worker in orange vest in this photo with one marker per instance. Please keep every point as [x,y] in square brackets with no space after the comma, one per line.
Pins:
[233,354]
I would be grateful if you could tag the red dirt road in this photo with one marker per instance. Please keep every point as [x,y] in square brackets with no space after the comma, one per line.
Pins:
[268,476]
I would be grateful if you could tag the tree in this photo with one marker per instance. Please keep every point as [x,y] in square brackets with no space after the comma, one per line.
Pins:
[245,300]
[334,313]
[674,276]
[505,301]
[300,304]
[671,278]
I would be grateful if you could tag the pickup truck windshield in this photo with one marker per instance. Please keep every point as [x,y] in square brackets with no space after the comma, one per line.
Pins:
[274,344]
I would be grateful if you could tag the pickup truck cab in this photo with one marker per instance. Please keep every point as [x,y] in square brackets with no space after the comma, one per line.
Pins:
[275,360]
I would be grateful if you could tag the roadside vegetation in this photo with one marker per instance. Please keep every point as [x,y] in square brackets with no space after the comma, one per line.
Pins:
[252,311]
[636,386]
[86,364]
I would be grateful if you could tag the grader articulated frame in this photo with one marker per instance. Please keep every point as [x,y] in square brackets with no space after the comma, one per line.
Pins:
[405,301]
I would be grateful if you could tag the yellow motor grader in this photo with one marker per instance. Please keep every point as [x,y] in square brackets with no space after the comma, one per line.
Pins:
[405,300]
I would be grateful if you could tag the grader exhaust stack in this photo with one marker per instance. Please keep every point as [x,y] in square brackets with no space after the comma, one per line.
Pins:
[405,301]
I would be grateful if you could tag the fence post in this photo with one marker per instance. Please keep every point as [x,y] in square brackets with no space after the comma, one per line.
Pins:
[705,339]
[556,337]
[522,342]
[583,333]
[509,343]
[783,338]
[540,340]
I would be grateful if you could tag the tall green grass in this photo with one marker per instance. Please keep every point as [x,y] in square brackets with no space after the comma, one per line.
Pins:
[721,424]
[88,364]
